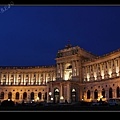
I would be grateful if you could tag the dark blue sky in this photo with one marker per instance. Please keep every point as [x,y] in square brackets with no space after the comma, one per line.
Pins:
[32,35]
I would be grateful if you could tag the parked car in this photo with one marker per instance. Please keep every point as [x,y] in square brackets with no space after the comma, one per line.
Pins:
[95,103]
[99,103]
[114,101]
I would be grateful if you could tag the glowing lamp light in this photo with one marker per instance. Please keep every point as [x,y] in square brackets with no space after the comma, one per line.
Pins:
[50,93]
[101,96]
[61,98]
[51,98]
[37,98]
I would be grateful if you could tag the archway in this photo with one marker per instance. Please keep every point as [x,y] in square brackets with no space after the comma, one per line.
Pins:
[88,94]
[118,92]
[103,93]
[10,95]
[73,95]
[56,95]
[32,95]
[110,93]
[17,95]
[96,94]
[24,96]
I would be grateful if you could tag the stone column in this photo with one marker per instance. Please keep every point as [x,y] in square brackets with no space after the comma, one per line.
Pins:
[72,69]
[0,77]
[36,82]
[95,71]
[119,65]
[106,75]
[48,96]
[92,95]
[32,77]
[40,81]
[68,93]
[58,70]
[61,93]
[38,78]
[63,71]
[22,78]
[14,78]
[107,94]
[114,93]
[99,77]
[77,66]
[114,74]
[84,73]
[28,78]
[42,97]
[91,73]
[7,78]
[45,78]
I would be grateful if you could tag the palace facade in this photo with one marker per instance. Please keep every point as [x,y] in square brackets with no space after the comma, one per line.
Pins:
[78,75]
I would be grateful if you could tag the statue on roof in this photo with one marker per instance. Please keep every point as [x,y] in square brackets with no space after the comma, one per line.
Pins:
[68,45]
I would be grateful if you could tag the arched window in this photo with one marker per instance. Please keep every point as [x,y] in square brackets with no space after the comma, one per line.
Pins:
[88,94]
[110,93]
[96,94]
[10,95]
[40,95]
[17,95]
[32,95]
[24,95]
[103,93]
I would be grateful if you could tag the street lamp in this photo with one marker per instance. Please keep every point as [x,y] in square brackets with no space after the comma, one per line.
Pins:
[61,99]
[50,93]
[50,98]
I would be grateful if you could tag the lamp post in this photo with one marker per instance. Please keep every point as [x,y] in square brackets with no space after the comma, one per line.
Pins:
[50,97]
[50,93]
[61,99]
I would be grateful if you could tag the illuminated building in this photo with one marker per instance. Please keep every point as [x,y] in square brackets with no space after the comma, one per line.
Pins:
[78,75]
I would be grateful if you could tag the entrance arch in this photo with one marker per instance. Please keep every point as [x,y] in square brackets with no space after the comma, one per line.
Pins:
[56,95]
[73,95]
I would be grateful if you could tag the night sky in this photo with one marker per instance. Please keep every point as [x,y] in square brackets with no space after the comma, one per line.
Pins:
[32,35]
